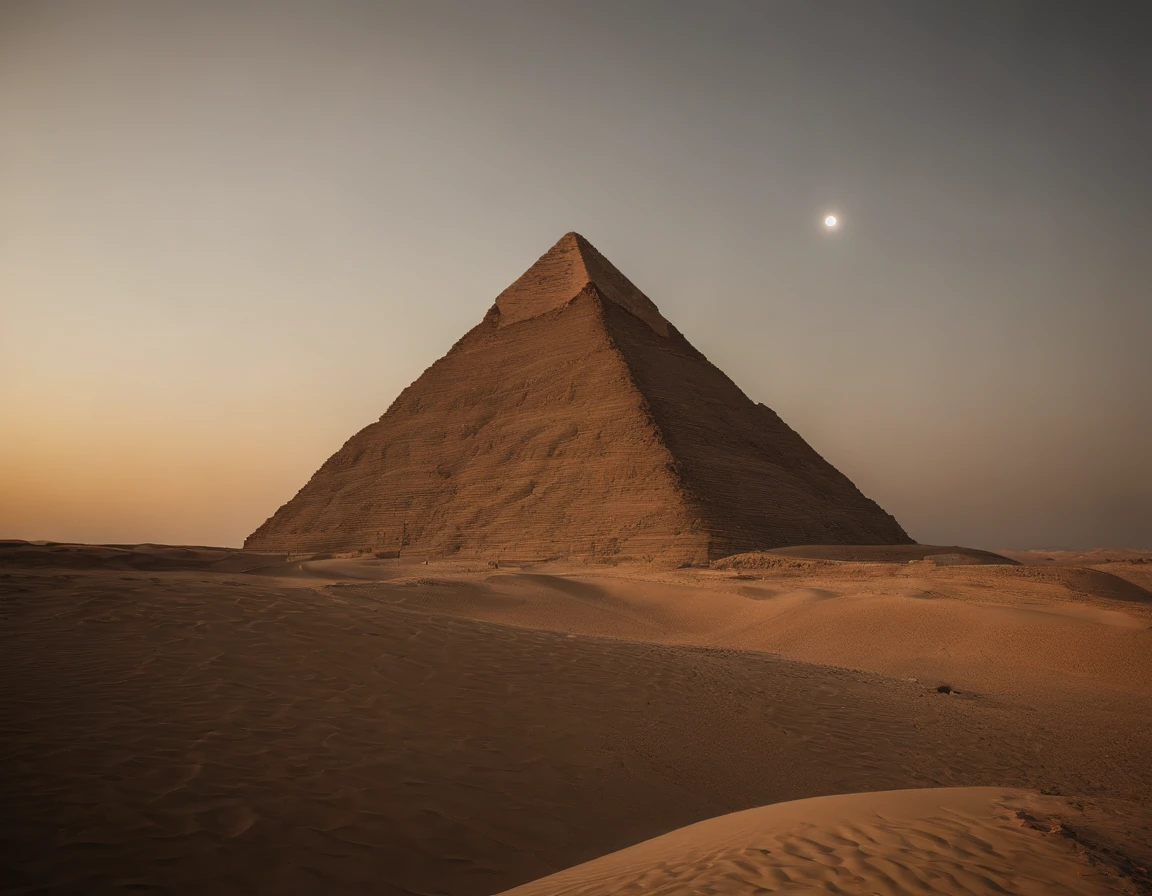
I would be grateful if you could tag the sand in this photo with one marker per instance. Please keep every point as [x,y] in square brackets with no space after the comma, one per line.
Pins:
[200,720]
[972,840]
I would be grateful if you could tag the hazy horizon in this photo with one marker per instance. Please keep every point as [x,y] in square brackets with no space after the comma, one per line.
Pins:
[232,234]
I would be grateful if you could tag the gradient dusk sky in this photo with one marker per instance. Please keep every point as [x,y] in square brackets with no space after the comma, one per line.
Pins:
[232,232]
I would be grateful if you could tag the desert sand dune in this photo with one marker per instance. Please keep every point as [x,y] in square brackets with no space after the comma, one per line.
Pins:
[1080,558]
[953,841]
[60,555]
[1131,565]
[993,630]
[1138,572]
[342,724]
[892,553]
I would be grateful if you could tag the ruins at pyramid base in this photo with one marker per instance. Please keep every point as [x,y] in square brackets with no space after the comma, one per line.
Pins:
[575,422]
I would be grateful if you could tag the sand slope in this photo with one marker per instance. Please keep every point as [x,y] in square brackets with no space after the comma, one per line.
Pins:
[985,629]
[941,555]
[344,724]
[954,842]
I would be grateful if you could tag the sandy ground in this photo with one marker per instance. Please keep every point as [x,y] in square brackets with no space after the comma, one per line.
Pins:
[198,720]
[948,841]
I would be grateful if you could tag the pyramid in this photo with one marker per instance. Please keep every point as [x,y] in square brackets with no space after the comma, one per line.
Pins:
[574,421]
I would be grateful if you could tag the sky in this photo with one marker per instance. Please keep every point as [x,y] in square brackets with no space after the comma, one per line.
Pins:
[232,232]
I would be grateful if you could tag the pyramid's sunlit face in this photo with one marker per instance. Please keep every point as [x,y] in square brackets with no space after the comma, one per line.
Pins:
[830,222]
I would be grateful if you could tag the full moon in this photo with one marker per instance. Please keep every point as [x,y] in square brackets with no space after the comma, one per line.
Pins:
[830,221]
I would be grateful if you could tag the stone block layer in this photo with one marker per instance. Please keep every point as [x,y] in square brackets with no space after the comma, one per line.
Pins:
[574,421]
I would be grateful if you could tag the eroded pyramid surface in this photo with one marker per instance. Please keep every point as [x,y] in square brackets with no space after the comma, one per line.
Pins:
[575,421]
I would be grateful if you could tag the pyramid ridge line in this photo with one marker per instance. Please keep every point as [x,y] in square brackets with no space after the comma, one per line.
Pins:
[690,503]
[688,496]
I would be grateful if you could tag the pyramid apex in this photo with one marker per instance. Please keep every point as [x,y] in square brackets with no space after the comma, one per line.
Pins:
[562,273]
[578,239]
